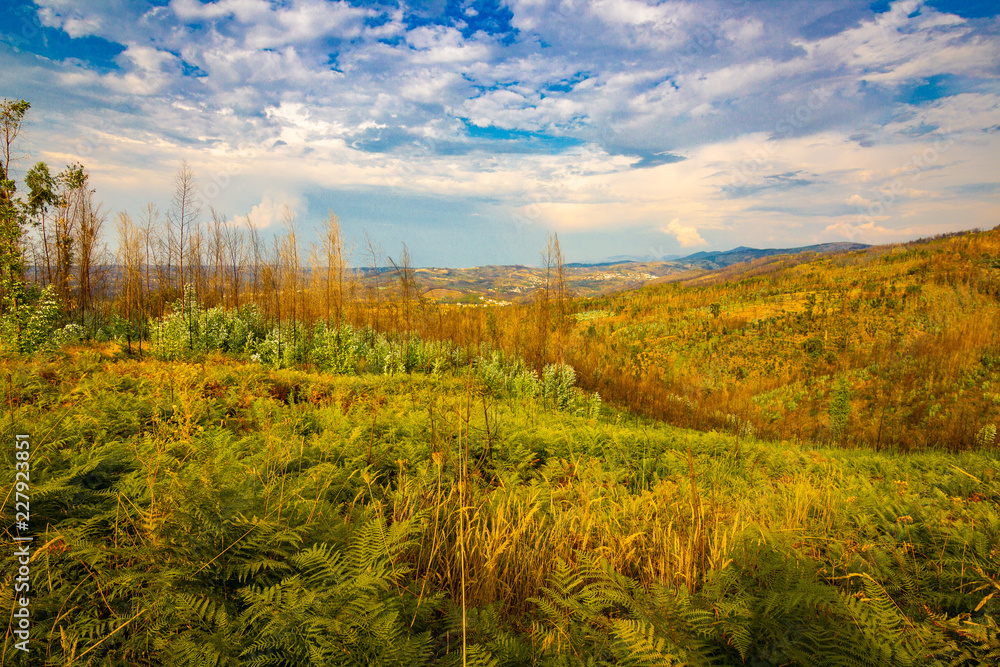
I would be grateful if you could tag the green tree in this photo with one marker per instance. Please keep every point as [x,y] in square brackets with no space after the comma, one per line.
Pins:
[42,195]
[840,408]
[12,216]
[72,212]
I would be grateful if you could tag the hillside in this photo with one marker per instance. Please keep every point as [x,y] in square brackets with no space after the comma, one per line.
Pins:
[885,347]
[720,259]
[892,347]
[492,284]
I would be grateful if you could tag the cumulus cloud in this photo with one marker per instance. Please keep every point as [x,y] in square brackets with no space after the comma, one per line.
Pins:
[687,236]
[273,210]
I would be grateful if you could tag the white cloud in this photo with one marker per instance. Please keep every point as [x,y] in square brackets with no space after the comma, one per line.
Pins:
[272,210]
[903,44]
[743,32]
[307,20]
[686,235]
[444,45]
[428,86]
[69,17]
[725,88]
[868,232]
[147,58]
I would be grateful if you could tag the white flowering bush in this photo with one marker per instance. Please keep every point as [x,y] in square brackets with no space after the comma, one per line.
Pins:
[349,350]
[509,375]
[283,346]
[336,349]
[594,406]
[190,328]
[987,436]
[30,323]
[558,382]
[71,333]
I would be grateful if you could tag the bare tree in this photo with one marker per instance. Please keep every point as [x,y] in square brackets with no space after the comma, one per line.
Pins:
[407,285]
[152,256]
[257,250]
[130,278]
[217,253]
[543,302]
[333,257]
[559,282]
[196,263]
[73,204]
[561,293]
[374,251]
[271,283]
[290,269]
[89,269]
[236,258]
[182,217]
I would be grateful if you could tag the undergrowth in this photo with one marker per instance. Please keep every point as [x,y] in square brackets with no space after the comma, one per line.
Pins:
[215,510]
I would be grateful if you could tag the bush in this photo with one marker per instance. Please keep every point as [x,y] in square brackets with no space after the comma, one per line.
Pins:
[30,323]
[987,436]
[189,328]
[557,385]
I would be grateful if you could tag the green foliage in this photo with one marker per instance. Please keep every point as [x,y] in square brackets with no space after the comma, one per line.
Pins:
[986,436]
[574,608]
[41,189]
[559,388]
[905,334]
[230,513]
[978,642]
[506,375]
[12,210]
[840,408]
[335,608]
[189,329]
[813,347]
[30,319]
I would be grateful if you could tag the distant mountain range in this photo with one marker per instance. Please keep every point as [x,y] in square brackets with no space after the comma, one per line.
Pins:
[622,259]
[744,254]
[721,258]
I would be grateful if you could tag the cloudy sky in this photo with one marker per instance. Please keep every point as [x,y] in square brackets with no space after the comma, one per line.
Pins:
[468,129]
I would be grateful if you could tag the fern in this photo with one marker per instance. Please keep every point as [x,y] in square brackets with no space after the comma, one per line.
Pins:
[637,645]
[974,642]
[338,608]
[576,606]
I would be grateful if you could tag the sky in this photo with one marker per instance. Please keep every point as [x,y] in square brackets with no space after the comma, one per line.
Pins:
[471,129]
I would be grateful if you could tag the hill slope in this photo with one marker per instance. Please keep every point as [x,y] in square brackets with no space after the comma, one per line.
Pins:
[520,283]
[886,347]
[720,259]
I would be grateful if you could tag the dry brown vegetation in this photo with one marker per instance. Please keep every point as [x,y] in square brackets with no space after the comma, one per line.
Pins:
[889,347]
[892,347]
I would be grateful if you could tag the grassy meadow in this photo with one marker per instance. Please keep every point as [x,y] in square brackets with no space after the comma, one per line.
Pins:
[457,509]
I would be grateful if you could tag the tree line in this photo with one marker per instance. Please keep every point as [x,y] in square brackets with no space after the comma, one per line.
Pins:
[54,241]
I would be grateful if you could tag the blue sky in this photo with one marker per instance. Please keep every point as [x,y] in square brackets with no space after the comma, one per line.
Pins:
[470,129]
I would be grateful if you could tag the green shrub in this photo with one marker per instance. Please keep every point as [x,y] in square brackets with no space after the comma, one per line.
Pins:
[29,325]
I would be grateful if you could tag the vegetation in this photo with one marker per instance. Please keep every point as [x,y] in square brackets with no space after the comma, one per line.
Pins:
[891,348]
[214,510]
[245,452]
